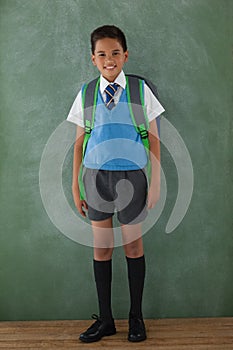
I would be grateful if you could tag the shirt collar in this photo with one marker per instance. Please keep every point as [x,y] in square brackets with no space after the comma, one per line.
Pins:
[120,80]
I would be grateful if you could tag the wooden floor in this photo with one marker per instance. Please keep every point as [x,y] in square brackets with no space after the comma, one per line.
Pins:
[165,334]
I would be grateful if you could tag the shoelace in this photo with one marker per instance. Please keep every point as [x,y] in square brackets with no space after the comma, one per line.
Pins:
[95,317]
[96,323]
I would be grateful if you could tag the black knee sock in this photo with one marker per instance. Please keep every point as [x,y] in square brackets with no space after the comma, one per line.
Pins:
[136,276]
[103,279]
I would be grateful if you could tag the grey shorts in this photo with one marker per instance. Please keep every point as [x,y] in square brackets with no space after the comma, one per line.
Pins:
[122,191]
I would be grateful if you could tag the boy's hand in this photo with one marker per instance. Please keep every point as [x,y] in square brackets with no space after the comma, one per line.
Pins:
[80,204]
[153,196]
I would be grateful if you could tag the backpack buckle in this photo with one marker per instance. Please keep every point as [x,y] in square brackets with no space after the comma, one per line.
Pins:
[143,133]
[87,129]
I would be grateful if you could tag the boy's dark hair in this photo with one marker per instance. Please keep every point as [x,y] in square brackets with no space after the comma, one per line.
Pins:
[108,31]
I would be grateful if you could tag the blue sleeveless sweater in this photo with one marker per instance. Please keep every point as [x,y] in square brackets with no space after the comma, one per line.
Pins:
[114,143]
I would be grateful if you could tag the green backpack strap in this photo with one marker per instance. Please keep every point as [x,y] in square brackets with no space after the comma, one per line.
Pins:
[134,88]
[89,98]
[153,89]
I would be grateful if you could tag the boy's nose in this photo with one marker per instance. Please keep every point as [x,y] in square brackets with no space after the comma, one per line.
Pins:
[109,58]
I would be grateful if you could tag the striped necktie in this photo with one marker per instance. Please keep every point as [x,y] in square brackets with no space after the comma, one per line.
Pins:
[110,90]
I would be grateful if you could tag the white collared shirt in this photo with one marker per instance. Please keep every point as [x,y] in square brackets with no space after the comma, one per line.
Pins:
[152,105]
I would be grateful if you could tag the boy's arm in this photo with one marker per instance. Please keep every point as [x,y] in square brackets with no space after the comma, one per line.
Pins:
[154,188]
[77,160]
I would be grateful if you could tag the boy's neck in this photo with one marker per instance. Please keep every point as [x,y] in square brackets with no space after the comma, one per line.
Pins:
[112,80]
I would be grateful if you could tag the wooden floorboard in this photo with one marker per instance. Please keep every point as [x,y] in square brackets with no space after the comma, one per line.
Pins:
[163,334]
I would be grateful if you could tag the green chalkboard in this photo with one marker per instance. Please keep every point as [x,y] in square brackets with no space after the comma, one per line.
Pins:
[185,48]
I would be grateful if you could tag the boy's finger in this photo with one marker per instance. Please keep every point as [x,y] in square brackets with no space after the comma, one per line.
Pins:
[85,205]
[82,212]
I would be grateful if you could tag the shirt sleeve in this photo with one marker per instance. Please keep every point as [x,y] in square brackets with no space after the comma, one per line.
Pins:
[152,105]
[76,112]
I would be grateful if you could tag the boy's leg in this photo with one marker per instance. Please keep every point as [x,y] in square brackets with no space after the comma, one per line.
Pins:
[103,239]
[133,247]
[103,249]
[102,264]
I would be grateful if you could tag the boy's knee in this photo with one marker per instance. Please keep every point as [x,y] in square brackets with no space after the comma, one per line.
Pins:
[133,249]
[103,254]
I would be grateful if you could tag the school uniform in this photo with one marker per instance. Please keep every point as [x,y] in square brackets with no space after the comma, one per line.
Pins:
[115,152]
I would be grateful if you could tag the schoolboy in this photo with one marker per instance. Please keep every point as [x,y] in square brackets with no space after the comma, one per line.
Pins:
[103,171]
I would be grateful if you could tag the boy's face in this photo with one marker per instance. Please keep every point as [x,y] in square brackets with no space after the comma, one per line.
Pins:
[109,58]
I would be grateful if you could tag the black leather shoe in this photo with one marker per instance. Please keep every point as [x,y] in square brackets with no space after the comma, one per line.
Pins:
[137,331]
[97,330]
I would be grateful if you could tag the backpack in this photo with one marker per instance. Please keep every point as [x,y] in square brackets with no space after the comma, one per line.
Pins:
[134,89]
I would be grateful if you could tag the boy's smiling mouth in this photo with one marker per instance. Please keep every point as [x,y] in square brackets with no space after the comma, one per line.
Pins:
[110,67]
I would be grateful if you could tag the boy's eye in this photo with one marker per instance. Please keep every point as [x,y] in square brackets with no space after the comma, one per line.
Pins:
[102,54]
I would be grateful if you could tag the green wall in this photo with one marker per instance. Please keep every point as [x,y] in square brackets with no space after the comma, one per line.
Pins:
[185,47]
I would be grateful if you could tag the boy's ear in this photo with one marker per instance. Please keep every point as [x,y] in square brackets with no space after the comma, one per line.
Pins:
[93,59]
[126,55]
